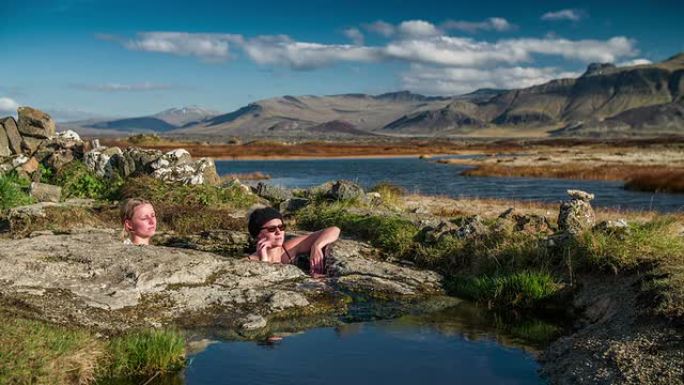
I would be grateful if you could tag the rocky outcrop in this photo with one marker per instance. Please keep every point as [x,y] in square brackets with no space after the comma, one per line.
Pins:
[90,278]
[33,141]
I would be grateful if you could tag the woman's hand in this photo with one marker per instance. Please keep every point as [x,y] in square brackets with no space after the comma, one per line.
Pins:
[317,262]
[262,247]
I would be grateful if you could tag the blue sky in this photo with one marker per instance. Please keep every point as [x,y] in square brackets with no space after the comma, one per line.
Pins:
[84,58]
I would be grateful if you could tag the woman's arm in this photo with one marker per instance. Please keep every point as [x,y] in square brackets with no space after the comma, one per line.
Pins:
[313,244]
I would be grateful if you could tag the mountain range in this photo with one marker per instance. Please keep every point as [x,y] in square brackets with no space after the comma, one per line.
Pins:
[605,100]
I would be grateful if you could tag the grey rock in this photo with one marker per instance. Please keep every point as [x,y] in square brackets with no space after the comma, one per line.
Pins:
[580,195]
[472,226]
[30,144]
[273,193]
[293,204]
[254,322]
[576,215]
[4,143]
[201,171]
[36,123]
[59,158]
[344,190]
[531,223]
[172,159]
[13,135]
[44,192]
[345,262]
[281,300]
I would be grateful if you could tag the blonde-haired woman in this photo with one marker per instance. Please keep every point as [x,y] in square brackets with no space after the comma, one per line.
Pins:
[139,221]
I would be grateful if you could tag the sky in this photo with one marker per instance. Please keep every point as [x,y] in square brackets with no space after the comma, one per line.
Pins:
[79,59]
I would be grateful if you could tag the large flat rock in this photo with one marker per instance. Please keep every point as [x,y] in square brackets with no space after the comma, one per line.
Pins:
[91,278]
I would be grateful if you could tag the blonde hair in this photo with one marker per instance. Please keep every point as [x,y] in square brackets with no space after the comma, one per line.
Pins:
[127,210]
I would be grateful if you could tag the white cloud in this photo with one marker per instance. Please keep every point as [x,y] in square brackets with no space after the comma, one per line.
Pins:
[8,105]
[417,29]
[283,51]
[564,14]
[209,46]
[380,27]
[454,51]
[354,35]
[493,23]
[634,62]
[118,87]
[456,81]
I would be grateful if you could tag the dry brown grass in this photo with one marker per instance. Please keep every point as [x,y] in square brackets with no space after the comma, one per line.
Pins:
[580,171]
[671,181]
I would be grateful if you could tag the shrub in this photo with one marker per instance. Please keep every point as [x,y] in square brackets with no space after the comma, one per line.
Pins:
[79,182]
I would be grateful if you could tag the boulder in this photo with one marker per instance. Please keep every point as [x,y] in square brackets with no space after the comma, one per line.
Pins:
[14,138]
[172,159]
[4,143]
[273,193]
[196,172]
[576,214]
[59,158]
[531,223]
[44,192]
[99,161]
[30,144]
[344,190]
[35,123]
[68,135]
[139,160]
[30,166]
[293,204]
[349,269]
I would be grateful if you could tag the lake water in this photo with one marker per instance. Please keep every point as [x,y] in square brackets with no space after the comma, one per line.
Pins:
[462,344]
[431,178]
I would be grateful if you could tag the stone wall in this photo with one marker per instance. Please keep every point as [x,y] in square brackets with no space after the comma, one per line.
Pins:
[32,140]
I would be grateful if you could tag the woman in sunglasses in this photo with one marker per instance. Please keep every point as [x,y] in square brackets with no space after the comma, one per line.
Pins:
[267,227]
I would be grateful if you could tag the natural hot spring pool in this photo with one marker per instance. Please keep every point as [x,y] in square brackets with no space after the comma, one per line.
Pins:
[460,345]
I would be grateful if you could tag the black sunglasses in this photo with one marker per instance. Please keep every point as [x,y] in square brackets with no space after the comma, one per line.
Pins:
[272,229]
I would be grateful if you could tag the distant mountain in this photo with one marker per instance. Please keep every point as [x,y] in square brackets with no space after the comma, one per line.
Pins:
[181,116]
[161,122]
[605,100]
[316,116]
[634,100]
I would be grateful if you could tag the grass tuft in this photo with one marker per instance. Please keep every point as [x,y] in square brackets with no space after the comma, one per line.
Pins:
[520,289]
[146,352]
[13,191]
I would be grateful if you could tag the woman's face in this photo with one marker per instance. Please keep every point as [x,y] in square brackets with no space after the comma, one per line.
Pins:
[277,237]
[144,221]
